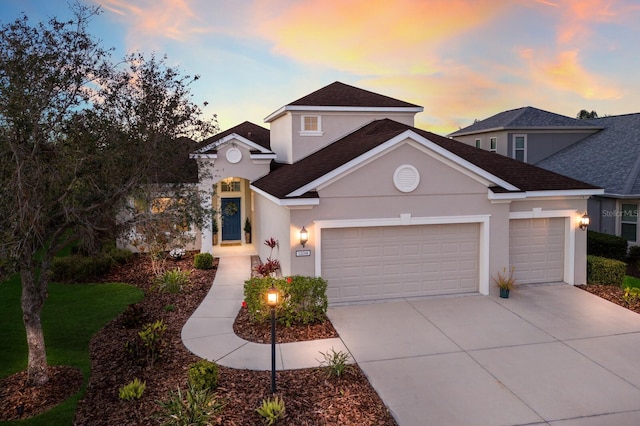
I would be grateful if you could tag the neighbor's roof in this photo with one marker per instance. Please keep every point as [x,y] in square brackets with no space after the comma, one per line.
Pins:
[525,118]
[609,159]
[338,96]
[287,178]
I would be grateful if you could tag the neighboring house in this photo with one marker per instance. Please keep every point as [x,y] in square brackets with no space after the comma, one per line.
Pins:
[604,152]
[391,210]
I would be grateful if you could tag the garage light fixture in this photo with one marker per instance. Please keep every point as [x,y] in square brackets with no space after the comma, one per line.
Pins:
[304,236]
[584,222]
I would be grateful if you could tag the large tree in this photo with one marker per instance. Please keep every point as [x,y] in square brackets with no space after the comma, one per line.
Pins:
[79,136]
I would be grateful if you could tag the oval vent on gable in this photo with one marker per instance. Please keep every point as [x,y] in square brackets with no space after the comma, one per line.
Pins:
[406,178]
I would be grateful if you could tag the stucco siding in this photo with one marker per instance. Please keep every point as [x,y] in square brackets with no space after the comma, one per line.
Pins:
[274,221]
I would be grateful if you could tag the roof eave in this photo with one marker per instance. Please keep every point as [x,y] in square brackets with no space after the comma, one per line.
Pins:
[286,202]
[316,108]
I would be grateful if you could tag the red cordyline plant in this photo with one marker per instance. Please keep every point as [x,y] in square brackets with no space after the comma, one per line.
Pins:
[271,266]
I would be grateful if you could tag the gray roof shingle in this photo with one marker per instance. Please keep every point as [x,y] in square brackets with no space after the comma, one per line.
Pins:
[609,159]
[524,118]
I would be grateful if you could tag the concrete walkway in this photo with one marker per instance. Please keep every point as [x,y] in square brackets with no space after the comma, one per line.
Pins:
[209,332]
[549,355]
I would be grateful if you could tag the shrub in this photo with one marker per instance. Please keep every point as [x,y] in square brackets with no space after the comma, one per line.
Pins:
[133,316]
[634,256]
[204,375]
[272,410]
[601,270]
[631,295]
[169,308]
[132,390]
[203,261]
[78,268]
[147,348]
[118,256]
[172,281]
[605,245]
[177,253]
[303,300]
[193,408]
[336,363]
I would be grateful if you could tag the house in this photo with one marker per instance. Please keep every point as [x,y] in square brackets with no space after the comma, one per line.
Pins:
[604,152]
[390,210]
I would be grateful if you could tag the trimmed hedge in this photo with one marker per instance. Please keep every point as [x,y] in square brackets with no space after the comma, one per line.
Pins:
[302,300]
[605,245]
[601,270]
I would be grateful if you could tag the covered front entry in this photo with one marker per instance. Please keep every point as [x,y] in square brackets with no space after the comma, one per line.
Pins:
[536,249]
[386,262]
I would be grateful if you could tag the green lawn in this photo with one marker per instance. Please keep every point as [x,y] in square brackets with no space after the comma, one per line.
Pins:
[630,281]
[72,314]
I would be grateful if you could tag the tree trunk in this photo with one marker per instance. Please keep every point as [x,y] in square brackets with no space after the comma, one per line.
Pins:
[34,293]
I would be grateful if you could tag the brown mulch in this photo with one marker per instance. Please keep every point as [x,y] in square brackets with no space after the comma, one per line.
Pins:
[17,400]
[261,333]
[612,294]
[311,398]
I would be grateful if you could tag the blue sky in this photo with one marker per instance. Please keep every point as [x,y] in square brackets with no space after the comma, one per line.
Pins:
[460,59]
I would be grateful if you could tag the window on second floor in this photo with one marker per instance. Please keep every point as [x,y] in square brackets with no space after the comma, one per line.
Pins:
[478,143]
[311,125]
[520,147]
[629,222]
[493,142]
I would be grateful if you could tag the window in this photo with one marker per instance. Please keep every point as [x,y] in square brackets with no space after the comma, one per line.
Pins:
[478,143]
[520,147]
[494,144]
[230,185]
[629,222]
[311,125]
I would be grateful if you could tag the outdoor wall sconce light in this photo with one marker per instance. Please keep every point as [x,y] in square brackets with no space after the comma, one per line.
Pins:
[272,301]
[304,236]
[584,222]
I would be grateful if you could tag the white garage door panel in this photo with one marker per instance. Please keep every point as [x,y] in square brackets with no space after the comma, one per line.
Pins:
[536,249]
[400,261]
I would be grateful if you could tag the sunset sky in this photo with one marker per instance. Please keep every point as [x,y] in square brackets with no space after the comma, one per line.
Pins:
[460,59]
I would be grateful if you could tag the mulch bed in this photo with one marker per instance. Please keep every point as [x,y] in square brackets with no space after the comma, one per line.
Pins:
[612,294]
[311,398]
[17,400]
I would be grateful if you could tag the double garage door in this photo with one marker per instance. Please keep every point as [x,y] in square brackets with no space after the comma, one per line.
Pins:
[375,263]
[372,263]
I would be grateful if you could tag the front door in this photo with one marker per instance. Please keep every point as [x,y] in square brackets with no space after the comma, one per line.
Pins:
[230,213]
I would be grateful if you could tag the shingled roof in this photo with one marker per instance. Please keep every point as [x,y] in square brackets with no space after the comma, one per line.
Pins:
[339,95]
[250,131]
[525,118]
[609,158]
[287,178]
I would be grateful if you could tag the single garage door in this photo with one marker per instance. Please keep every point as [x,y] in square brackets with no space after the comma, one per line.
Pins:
[536,249]
[386,262]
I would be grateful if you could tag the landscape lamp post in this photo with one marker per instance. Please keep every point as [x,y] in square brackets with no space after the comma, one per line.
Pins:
[272,301]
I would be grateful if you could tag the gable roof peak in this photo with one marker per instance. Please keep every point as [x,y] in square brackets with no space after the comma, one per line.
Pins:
[339,96]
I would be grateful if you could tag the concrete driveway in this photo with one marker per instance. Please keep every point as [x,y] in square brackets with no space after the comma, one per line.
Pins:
[547,355]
